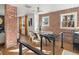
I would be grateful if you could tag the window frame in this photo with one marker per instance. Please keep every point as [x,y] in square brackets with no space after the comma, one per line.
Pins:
[43,19]
[75,20]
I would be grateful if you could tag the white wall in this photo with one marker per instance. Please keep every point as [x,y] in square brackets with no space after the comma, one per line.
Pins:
[36,22]
[31,28]
[2,9]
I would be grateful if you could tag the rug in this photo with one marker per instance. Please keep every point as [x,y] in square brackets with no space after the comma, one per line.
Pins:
[17,50]
[66,52]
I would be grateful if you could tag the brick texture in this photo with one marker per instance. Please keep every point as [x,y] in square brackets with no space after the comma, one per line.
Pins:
[10,26]
[54,22]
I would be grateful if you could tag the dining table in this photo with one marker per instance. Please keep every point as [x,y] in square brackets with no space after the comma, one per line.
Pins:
[49,37]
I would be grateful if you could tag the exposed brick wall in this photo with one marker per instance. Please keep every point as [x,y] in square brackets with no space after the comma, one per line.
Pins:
[54,22]
[10,26]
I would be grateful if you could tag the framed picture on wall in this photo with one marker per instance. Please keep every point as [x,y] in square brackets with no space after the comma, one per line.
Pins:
[45,21]
[68,20]
[1,20]
[30,22]
[1,23]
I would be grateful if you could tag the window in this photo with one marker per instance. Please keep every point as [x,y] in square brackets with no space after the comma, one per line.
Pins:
[68,20]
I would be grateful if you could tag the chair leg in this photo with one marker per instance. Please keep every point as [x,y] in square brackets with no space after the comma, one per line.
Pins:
[73,48]
[46,42]
[30,39]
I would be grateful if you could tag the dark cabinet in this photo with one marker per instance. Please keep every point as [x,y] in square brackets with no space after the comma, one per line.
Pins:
[76,40]
[1,23]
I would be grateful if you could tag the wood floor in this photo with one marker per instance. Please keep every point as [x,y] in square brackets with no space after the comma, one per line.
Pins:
[46,48]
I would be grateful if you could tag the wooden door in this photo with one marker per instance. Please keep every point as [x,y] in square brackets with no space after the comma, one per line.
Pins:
[20,25]
[26,25]
[23,27]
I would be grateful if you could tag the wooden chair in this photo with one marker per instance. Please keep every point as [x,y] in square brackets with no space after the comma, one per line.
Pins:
[34,37]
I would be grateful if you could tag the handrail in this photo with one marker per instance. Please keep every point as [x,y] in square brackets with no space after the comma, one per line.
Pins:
[63,36]
[50,38]
[29,47]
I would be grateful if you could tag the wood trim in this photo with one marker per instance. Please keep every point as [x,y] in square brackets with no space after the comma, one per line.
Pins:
[26,25]
[20,25]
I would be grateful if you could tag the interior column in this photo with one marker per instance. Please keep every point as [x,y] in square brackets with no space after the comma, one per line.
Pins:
[10,25]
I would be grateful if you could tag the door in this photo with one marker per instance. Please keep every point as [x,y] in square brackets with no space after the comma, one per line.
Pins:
[20,25]
[26,25]
[23,25]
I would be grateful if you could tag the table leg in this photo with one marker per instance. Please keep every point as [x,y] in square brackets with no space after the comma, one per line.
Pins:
[62,38]
[41,44]
[20,49]
[46,42]
[53,41]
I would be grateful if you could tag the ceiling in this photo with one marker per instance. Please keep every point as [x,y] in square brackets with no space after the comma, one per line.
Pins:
[26,9]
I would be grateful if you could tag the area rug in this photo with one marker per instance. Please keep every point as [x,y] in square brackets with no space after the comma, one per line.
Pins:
[46,52]
[66,52]
[1,53]
[17,50]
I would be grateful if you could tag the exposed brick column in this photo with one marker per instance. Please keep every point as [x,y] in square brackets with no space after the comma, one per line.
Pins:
[10,25]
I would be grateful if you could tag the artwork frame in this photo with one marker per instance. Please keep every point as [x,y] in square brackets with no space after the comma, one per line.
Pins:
[45,21]
[30,22]
[68,20]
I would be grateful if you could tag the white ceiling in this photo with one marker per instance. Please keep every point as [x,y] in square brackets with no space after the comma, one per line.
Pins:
[25,9]
[22,10]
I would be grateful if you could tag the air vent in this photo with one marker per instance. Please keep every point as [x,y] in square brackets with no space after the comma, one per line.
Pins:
[27,6]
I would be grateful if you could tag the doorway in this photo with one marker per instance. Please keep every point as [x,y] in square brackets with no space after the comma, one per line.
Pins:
[23,26]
